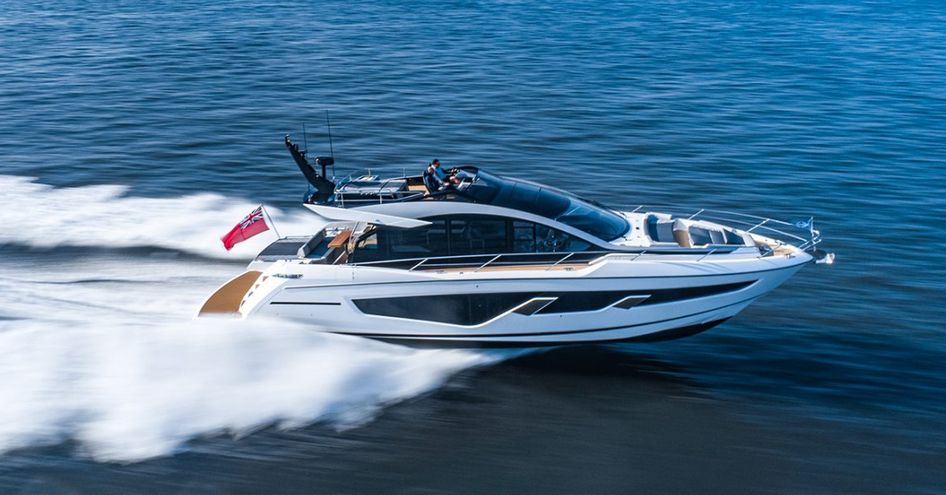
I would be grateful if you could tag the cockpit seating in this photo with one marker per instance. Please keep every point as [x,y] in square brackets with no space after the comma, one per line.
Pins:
[685,233]
[681,233]
[663,228]
[431,182]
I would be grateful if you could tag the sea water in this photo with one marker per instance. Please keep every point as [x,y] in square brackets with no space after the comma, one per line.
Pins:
[134,134]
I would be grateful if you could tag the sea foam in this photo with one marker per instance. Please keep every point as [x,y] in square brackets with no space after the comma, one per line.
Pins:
[128,391]
[103,216]
[102,349]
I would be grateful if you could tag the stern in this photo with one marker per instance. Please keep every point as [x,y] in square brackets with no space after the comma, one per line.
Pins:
[227,299]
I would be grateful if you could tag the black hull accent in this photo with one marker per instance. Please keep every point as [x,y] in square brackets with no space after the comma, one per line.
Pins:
[671,334]
[474,309]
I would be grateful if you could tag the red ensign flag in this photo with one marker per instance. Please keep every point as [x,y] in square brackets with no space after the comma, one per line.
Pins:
[253,224]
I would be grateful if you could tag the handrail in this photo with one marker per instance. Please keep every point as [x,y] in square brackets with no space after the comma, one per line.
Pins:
[417,265]
[736,221]
[777,229]
[494,258]
[434,258]
[560,261]
[763,222]
[705,255]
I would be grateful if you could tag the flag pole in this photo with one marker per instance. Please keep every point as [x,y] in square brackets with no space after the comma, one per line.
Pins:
[270,221]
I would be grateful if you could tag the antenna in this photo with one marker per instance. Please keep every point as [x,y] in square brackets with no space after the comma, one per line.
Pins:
[304,140]
[330,146]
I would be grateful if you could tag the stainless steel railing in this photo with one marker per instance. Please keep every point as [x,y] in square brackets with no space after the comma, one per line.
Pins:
[801,234]
[551,260]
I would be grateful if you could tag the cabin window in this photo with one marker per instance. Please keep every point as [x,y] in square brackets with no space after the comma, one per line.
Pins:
[523,237]
[486,234]
[549,240]
[420,242]
[463,235]
[367,249]
[528,237]
[478,235]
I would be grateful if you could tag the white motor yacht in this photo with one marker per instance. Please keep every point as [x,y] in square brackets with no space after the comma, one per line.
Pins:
[495,261]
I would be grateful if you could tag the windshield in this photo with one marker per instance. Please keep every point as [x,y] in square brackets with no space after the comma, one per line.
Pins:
[548,202]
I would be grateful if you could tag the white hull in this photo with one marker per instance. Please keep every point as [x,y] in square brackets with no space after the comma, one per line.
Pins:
[325,296]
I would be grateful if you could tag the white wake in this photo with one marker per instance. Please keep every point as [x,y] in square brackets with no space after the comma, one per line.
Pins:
[101,348]
[102,216]
[129,391]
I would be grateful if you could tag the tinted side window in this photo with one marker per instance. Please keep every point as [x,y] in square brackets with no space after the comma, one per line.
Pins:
[549,240]
[477,235]
[523,237]
[457,309]
[368,249]
[528,237]
[467,235]
[420,242]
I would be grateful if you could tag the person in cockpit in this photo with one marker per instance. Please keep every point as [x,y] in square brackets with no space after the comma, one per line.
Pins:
[434,177]
[437,179]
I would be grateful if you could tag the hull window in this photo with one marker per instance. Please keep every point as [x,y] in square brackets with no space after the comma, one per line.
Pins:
[457,309]
[473,309]
[573,302]
[671,295]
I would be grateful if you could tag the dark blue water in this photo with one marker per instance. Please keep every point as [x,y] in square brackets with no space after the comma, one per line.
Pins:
[133,134]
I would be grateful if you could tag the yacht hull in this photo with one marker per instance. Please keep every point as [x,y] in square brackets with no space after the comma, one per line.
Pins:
[612,301]
[482,260]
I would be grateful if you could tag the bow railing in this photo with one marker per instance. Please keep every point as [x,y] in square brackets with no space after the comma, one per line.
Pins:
[800,234]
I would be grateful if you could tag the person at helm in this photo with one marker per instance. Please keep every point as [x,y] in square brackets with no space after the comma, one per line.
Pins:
[437,179]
